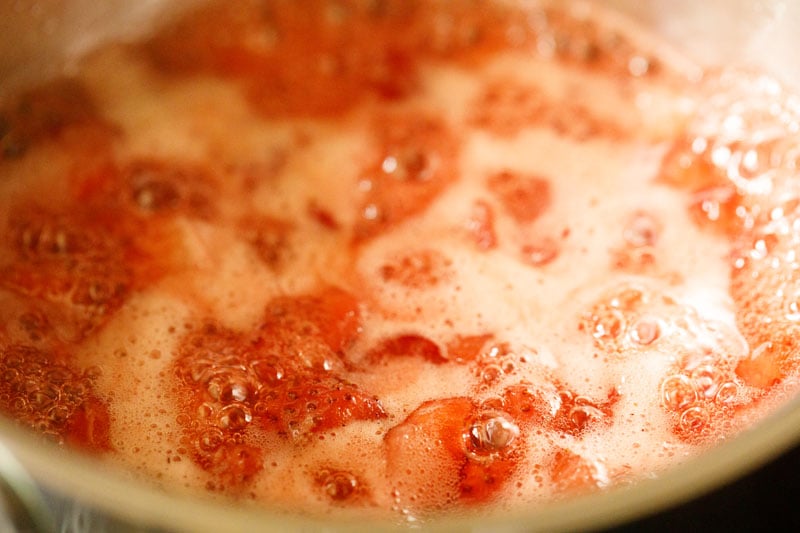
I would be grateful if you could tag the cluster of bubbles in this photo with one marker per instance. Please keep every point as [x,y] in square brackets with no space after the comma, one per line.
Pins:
[229,392]
[749,130]
[495,363]
[640,236]
[744,143]
[39,392]
[79,267]
[697,391]
[628,318]
[740,156]
[571,35]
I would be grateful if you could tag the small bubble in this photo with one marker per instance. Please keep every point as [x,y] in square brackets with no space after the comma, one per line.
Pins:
[694,419]
[235,391]
[43,397]
[491,373]
[370,212]
[389,164]
[645,331]
[210,440]
[793,307]
[58,415]
[11,376]
[268,373]
[20,405]
[638,66]
[339,486]
[205,410]
[155,195]
[706,379]
[677,392]
[727,393]
[491,433]
[234,417]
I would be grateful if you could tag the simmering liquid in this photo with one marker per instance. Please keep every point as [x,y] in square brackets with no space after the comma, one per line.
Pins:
[397,258]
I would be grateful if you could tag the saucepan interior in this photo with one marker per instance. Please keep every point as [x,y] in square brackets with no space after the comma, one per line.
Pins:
[38,39]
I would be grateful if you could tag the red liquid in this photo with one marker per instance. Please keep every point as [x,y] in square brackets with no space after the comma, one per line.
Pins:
[396,257]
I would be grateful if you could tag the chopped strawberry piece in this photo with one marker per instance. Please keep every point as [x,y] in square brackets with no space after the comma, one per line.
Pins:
[313,403]
[88,427]
[44,391]
[767,364]
[407,346]
[721,208]
[418,269]
[529,404]
[768,304]
[332,315]
[67,261]
[358,52]
[557,408]
[524,197]
[285,378]
[470,453]
[571,473]
[414,163]
[466,348]
[60,110]
[232,465]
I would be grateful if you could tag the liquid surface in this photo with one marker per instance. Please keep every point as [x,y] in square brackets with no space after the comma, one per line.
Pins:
[397,258]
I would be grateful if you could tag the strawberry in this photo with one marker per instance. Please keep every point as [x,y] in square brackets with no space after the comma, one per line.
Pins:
[525,197]
[418,269]
[358,53]
[571,472]
[285,377]
[65,260]
[768,301]
[88,427]
[414,161]
[471,453]
[330,315]
[466,348]
[43,391]
[557,408]
[407,346]
[60,110]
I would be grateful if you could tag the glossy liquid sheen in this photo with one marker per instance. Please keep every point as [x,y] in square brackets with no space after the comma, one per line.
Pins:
[397,258]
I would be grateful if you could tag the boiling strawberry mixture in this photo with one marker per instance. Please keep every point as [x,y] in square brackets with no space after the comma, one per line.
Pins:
[396,258]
